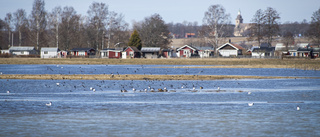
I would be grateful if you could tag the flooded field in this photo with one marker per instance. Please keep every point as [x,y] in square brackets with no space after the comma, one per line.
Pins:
[152,70]
[246,107]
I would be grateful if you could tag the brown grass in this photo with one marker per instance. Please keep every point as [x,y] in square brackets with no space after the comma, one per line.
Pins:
[139,77]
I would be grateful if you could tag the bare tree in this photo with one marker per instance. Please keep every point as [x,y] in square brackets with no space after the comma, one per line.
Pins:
[8,25]
[256,28]
[215,22]
[98,18]
[38,21]
[69,27]
[314,28]
[119,30]
[54,21]
[271,24]
[287,40]
[154,32]
[20,22]
[2,33]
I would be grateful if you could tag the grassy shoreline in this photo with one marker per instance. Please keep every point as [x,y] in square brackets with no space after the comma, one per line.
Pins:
[140,77]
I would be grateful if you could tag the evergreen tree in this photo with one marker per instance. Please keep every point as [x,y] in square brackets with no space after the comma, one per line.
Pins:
[135,40]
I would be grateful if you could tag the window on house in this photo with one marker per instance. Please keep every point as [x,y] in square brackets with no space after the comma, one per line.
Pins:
[131,54]
[45,52]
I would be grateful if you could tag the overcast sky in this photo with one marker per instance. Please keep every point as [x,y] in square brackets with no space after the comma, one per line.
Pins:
[178,11]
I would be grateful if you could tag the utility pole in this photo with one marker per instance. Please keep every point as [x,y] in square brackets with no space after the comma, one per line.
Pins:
[12,40]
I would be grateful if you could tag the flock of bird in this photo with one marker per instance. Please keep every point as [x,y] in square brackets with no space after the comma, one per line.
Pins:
[134,90]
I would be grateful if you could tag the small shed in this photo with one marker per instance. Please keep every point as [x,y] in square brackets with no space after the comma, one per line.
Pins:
[111,53]
[22,50]
[150,52]
[83,51]
[230,49]
[186,51]
[205,51]
[167,53]
[49,52]
[133,52]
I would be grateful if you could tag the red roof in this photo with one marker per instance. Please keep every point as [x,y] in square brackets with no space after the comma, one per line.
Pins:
[237,46]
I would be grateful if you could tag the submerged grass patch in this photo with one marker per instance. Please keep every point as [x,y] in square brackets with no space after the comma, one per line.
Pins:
[141,77]
[305,64]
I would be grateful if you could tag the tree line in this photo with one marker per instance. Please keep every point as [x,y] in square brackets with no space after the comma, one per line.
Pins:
[101,28]
[63,27]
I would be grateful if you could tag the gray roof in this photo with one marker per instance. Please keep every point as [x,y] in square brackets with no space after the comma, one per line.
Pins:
[302,45]
[21,48]
[204,47]
[264,49]
[150,49]
[82,49]
[50,49]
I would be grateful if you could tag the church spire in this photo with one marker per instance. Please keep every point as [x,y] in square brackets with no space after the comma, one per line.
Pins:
[239,12]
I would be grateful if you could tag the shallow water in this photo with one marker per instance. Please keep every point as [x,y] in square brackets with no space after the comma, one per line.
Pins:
[78,111]
[151,69]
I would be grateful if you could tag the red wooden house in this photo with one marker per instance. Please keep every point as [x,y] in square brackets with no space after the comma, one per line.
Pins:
[186,51]
[133,52]
[110,53]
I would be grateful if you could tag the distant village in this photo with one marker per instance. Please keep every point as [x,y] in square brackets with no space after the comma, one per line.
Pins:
[265,50]
[86,38]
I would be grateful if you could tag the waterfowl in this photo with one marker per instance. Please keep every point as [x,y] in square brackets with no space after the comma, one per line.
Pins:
[201,87]
[218,88]
[298,108]
[133,89]
[249,93]
[94,90]
[250,104]
[165,89]
[49,104]
[8,91]
[58,84]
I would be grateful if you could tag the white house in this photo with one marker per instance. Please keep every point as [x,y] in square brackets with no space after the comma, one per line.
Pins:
[5,51]
[22,50]
[230,49]
[49,52]
[263,52]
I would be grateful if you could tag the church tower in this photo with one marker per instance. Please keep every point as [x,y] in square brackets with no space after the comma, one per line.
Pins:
[239,19]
